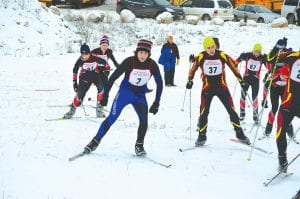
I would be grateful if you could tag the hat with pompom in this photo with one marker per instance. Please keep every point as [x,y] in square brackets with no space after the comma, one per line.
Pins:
[144,45]
[84,49]
[104,39]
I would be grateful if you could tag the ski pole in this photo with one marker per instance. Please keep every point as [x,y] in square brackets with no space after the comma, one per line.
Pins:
[190,114]
[236,83]
[182,108]
[286,166]
[262,110]
[84,109]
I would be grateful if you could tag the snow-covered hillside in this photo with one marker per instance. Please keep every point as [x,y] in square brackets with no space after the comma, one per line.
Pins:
[34,152]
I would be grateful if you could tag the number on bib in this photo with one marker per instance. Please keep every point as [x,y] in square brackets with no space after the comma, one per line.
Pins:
[212,67]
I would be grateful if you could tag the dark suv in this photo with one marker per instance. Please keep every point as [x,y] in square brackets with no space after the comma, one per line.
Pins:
[149,8]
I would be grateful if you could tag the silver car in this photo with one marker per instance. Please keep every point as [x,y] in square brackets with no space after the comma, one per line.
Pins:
[258,13]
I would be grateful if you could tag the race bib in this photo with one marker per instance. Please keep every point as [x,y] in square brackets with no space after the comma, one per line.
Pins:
[139,77]
[212,67]
[295,73]
[103,57]
[90,66]
[253,65]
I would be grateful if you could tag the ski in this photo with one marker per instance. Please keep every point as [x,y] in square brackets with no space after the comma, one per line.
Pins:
[77,156]
[263,137]
[254,147]
[283,175]
[154,161]
[192,148]
[278,174]
[60,118]
[56,89]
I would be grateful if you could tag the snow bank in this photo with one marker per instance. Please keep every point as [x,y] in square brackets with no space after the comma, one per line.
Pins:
[164,18]
[126,16]
[280,23]
[217,21]
[34,30]
[191,19]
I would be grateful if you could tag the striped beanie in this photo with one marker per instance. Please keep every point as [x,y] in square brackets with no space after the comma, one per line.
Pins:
[144,45]
[104,39]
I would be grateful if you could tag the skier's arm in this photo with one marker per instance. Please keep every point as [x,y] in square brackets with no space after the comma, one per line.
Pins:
[233,67]
[113,59]
[76,67]
[116,74]
[195,66]
[159,83]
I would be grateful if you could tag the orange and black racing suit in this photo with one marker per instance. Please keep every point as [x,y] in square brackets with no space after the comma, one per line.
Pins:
[214,84]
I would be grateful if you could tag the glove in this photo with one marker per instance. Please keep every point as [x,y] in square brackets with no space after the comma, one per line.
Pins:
[189,84]
[281,43]
[154,108]
[243,85]
[177,61]
[104,100]
[265,78]
[192,57]
[75,85]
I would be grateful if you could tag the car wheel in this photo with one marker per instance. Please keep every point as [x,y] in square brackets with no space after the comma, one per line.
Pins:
[205,17]
[235,18]
[260,20]
[291,19]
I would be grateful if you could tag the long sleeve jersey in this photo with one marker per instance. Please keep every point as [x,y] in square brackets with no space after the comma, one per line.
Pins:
[137,75]
[213,69]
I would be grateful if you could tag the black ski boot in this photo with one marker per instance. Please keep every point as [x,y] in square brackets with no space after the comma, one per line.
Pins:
[255,117]
[201,140]
[290,132]
[282,164]
[241,136]
[139,149]
[92,146]
[268,129]
[71,112]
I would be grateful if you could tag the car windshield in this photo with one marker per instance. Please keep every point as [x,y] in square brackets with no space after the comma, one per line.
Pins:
[163,2]
[224,4]
[262,10]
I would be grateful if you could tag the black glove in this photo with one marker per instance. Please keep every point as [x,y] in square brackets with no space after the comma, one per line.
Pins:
[104,100]
[154,108]
[189,84]
[192,57]
[75,85]
[243,85]
[281,43]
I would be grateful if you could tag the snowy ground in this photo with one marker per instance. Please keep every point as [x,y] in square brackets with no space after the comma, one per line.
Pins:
[34,153]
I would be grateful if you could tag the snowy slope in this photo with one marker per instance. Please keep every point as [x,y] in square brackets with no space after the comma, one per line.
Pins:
[34,153]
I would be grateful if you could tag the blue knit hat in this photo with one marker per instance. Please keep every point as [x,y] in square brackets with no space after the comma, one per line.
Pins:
[85,49]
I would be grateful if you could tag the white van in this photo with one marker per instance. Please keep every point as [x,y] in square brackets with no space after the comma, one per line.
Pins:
[208,9]
[288,10]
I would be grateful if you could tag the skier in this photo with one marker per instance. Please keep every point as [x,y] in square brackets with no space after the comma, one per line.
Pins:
[290,106]
[254,61]
[91,72]
[138,70]
[212,64]
[169,58]
[276,83]
[105,53]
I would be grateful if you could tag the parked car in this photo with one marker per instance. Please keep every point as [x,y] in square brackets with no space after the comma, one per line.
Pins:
[208,9]
[258,13]
[74,3]
[288,10]
[149,8]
